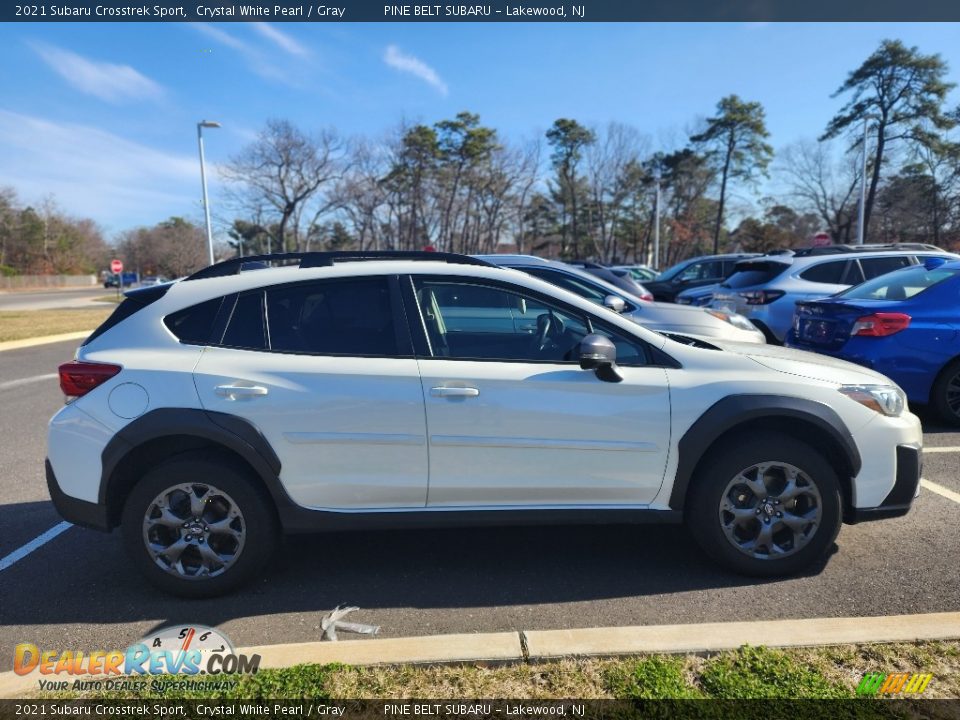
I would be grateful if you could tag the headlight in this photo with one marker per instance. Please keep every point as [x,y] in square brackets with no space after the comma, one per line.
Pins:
[884,399]
[735,319]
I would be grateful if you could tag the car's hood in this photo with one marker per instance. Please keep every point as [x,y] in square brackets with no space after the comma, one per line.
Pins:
[805,364]
[688,320]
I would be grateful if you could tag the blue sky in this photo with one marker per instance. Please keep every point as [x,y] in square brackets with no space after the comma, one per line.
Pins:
[102,116]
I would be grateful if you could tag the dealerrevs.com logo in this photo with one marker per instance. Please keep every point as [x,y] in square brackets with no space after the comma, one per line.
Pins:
[181,650]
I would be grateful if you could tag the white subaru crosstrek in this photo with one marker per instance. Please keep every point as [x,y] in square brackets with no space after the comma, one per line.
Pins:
[348,391]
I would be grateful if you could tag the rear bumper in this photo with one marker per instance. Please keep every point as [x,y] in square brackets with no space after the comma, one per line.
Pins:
[905,488]
[79,512]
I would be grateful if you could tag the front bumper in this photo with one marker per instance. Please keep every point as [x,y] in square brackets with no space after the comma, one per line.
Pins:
[905,488]
[79,512]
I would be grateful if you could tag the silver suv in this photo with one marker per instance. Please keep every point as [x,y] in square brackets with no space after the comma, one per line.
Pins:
[766,289]
[662,317]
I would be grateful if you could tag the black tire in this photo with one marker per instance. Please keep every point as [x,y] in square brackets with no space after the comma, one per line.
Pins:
[940,393]
[723,464]
[768,334]
[249,541]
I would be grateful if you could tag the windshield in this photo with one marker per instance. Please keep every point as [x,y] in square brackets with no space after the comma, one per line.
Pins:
[670,272]
[899,285]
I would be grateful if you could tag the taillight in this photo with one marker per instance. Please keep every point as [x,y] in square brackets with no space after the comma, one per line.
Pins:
[648,296]
[880,324]
[761,297]
[78,378]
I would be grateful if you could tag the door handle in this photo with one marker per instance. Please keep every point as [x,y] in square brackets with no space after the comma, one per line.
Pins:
[237,392]
[462,392]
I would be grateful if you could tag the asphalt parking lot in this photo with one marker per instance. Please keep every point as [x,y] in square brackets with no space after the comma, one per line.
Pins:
[77,591]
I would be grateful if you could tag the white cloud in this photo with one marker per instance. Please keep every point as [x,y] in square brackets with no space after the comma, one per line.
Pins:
[255,59]
[96,174]
[113,83]
[283,40]
[397,59]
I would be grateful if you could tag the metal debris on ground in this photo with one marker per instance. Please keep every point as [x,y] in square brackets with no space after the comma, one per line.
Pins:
[332,622]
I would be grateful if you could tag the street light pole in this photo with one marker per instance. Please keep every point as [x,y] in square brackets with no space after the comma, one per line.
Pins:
[656,221]
[203,180]
[863,186]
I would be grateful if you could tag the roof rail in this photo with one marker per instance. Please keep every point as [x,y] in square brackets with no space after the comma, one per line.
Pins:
[327,259]
[866,247]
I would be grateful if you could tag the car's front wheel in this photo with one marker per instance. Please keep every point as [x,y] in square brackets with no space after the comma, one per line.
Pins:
[765,505]
[198,526]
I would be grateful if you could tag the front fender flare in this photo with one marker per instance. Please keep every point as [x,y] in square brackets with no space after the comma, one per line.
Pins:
[728,413]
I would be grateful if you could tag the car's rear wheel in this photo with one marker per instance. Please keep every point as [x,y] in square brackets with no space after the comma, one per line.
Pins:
[198,526]
[946,393]
[765,505]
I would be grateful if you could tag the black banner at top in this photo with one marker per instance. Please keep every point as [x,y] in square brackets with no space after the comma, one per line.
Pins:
[575,11]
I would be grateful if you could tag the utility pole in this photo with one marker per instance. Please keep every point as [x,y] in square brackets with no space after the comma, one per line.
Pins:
[203,180]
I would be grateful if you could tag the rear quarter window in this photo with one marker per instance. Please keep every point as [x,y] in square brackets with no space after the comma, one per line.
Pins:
[194,325]
[755,273]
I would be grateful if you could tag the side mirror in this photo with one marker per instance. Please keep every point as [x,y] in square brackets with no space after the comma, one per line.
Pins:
[615,303]
[599,354]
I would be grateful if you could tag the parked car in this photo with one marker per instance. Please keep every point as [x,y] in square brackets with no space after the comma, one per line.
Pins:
[766,289]
[905,325]
[618,278]
[698,271]
[126,279]
[640,273]
[663,317]
[210,414]
[697,296]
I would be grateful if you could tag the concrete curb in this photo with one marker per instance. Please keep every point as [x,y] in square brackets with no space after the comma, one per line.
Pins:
[712,637]
[45,340]
[597,642]
[432,649]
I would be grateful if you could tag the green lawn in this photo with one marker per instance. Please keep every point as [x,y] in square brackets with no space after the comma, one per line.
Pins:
[822,673]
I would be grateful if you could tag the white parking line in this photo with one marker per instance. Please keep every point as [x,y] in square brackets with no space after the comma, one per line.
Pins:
[26,381]
[929,449]
[37,542]
[940,490]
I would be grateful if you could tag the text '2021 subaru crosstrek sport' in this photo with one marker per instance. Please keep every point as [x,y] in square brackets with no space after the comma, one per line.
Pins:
[348,390]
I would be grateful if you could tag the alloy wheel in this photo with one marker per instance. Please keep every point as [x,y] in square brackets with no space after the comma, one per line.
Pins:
[194,530]
[770,510]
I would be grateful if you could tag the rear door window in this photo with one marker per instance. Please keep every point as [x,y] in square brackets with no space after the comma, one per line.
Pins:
[877,266]
[350,316]
[246,328]
[829,273]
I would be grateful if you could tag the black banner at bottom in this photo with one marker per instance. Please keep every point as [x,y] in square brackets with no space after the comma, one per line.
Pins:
[475,709]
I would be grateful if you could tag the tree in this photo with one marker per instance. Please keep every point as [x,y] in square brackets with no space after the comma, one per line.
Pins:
[735,138]
[283,170]
[173,248]
[821,184]
[463,145]
[568,138]
[902,92]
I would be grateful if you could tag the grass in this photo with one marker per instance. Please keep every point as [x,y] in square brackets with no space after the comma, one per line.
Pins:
[749,672]
[108,298]
[20,325]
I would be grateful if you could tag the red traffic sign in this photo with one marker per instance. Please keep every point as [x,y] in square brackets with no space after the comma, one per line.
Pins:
[116,267]
[821,239]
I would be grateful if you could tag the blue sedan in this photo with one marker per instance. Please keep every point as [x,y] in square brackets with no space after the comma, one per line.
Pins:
[905,324]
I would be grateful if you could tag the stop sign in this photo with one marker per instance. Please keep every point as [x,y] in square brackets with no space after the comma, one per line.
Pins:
[821,239]
[116,267]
